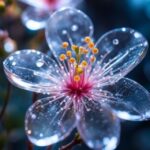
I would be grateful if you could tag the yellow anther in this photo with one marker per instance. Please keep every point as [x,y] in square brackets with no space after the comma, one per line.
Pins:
[62,57]
[74,47]
[92,59]
[72,60]
[84,63]
[91,45]
[87,39]
[69,53]
[95,50]
[85,51]
[77,78]
[79,70]
[65,44]
[81,49]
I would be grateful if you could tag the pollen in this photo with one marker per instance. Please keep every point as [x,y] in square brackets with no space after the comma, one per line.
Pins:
[79,70]
[85,51]
[72,60]
[87,39]
[77,78]
[62,57]
[69,53]
[95,50]
[84,63]
[81,49]
[74,47]
[65,45]
[91,45]
[93,59]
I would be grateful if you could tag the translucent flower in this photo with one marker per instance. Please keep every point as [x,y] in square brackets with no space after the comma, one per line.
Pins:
[36,16]
[85,82]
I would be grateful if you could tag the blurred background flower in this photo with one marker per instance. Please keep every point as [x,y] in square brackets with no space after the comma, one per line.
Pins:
[36,15]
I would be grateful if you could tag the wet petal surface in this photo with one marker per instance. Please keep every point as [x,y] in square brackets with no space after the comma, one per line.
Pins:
[71,25]
[34,71]
[98,127]
[120,51]
[49,120]
[129,100]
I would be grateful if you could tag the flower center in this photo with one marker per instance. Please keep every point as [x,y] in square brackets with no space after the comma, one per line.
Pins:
[79,61]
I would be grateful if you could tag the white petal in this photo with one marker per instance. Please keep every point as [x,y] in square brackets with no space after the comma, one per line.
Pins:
[35,18]
[32,70]
[98,127]
[129,100]
[49,120]
[71,25]
[120,51]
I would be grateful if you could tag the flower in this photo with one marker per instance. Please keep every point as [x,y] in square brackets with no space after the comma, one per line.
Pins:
[35,16]
[85,82]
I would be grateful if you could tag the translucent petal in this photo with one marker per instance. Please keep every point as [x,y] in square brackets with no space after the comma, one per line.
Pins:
[120,51]
[71,25]
[129,100]
[49,120]
[98,127]
[35,18]
[32,70]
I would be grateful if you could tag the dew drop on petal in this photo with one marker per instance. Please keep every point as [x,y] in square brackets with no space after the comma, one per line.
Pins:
[74,27]
[40,63]
[115,41]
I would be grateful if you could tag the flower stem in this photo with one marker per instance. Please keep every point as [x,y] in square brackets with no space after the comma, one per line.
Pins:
[77,140]
[29,145]
[34,97]
[6,100]
[49,147]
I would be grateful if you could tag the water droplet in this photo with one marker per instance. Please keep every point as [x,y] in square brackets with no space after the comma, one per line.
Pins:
[40,63]
[74,28]
[123,29]
[115,41]
[64,32]
[29,132]
[11,58]
[33,116]
[137,35]
[13,63]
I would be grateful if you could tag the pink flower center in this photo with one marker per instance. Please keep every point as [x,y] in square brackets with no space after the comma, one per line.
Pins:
[51,2]
[78,89]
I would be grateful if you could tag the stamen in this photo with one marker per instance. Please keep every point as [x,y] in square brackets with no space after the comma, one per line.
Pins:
[62,57]
[85,51]
[84,63]
[79,51]
[79,70]
[91,45]
[92,59]
[95,50]
[65,45]
[72,60]
[74,47]
[87,39]
[77,78]
[69,53]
